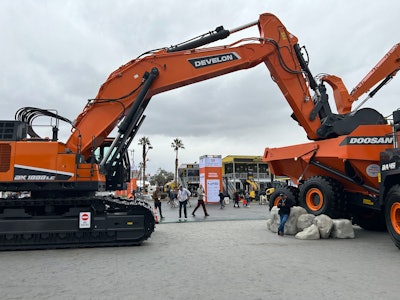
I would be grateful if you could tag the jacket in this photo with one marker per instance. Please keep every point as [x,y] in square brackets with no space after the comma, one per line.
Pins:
[200,193]
[284,206]
[183,194]
[157,196]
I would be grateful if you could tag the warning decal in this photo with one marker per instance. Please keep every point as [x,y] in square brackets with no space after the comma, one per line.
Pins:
[84,219]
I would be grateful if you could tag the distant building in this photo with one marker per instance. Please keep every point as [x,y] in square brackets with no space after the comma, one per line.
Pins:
[189,176]
[244,173]
[240,172]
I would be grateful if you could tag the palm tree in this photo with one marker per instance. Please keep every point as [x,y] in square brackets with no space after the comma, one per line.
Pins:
[177,144]
[145,142]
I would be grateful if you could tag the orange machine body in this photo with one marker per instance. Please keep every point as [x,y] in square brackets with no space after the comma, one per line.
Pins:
[46,161]
[360,150]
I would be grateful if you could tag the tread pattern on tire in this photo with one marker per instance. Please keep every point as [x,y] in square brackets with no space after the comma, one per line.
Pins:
[392,197]
[335,199]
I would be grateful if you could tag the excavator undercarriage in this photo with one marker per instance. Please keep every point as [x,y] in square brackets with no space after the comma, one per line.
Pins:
[69,222]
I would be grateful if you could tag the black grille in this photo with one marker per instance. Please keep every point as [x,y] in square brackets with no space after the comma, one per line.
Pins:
[13,130]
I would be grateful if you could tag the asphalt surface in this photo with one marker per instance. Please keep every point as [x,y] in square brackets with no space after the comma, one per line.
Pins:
[228,255]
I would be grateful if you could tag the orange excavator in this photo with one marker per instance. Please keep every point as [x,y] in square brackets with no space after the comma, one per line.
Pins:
[337,173]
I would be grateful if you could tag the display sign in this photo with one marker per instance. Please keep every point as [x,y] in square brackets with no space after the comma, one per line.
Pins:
[213,188]
[211,176]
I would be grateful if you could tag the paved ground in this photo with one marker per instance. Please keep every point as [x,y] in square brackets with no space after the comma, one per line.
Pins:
[233,259]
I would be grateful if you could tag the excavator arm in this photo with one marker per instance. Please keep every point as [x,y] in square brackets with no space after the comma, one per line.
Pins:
[124,96]
[382,73]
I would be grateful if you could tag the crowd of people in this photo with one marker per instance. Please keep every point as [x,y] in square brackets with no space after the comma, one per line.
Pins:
[181,196]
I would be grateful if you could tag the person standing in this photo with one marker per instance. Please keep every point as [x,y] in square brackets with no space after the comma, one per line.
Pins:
[236,199]
[183,196]
[221,199]
[157,200]
[284,206]
[200,201]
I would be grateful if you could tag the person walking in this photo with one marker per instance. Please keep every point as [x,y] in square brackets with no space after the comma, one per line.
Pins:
[183,196]
[221,199]
[284,206]
[236,199]
[171,194]
[157,200]
[200,201]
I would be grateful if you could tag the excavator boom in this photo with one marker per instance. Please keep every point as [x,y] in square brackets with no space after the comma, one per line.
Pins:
[179,66]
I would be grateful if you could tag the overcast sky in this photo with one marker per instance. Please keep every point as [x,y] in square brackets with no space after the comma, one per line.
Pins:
[56,54]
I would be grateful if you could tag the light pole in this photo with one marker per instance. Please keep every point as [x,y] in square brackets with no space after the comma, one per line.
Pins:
[133,163]
[144,161]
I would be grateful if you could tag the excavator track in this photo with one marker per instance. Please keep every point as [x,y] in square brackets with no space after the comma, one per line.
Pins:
[73,223]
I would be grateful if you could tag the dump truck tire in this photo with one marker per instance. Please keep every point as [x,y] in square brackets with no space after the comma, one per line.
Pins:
[288,190]
[323,195]
[392,214]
